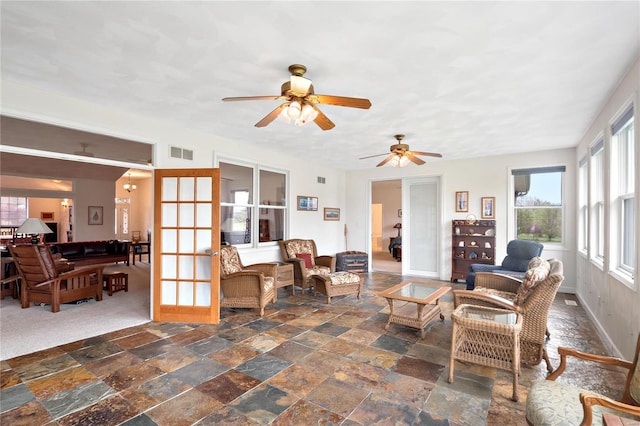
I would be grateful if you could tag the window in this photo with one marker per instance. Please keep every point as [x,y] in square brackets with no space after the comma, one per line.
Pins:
[538,204]
[240,204]
[583,207]
[623,173]
[13,211]
[597,201]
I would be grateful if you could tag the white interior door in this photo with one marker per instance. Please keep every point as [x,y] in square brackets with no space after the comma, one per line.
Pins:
[421,227]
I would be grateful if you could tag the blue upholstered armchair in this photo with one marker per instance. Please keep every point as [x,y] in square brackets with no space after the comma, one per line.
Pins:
[519,253]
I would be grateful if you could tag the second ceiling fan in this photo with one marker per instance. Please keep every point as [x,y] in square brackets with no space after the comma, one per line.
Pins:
[301,101]
[401,155]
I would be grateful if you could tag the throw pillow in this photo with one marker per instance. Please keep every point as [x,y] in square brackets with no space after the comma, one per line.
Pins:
[308,263]
[531,279]
[534,262]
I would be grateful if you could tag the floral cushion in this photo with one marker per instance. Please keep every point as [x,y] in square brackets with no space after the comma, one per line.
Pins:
[343,277]
[299,246]
[531,278]
[554,403]
[318,270]
[229,261]
[492,291]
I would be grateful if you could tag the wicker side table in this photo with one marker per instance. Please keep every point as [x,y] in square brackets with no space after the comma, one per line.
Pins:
[487,336]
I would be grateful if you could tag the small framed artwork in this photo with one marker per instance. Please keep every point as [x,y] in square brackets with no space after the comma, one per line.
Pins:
[95,215]
[488,207]
[307,203]
[462,201]
[331,213]
[46,215]
[399,212]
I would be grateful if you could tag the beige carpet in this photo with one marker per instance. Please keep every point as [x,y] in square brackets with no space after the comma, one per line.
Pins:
[24,331]
[384,262]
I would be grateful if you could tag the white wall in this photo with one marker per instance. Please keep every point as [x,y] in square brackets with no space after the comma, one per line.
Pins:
[613,305]
[482,177]
[54,108]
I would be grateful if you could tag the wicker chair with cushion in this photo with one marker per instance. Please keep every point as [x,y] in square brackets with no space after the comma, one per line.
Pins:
[519,253]
[532,298]
[555,403]
[42,282]
[251,286]
[306,262]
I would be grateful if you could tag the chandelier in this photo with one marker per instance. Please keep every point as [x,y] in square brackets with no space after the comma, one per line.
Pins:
[129,187]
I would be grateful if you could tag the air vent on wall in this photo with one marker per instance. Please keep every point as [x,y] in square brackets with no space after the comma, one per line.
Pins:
[185,154]
[321,179]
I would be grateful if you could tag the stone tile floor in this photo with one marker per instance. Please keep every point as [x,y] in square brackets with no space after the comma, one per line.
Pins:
[304,362]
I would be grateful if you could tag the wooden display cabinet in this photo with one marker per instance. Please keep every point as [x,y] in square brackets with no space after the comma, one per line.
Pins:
[473,241]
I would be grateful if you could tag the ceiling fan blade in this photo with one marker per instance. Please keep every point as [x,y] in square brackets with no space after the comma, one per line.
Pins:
[371,156]
[322,120]
[413,158]
[430,154]
[271,116]
[255,98]
[340,101]
[386,160]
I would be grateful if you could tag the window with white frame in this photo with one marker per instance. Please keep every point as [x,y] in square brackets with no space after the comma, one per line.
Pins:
[597,201]
[13,211]
[539,204]
[253,204]
[583,200]
[622,187]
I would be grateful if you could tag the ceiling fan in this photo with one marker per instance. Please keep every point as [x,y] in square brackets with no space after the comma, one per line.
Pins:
[84,152]
[301,101]
[401,155]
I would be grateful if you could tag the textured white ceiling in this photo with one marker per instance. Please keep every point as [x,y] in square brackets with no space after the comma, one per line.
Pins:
[465,79]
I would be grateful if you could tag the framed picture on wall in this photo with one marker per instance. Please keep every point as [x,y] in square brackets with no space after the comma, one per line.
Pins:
[331,213]
[488,207]
[95,215]
[46,215]
[307,203]
[462,201]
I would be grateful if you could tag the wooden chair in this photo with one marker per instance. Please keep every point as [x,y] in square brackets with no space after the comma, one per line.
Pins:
[532,298]
[555,403]
[306,262]
[251,286]
[41,282]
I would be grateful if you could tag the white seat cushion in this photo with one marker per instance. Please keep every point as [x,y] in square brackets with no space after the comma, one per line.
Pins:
[552,403]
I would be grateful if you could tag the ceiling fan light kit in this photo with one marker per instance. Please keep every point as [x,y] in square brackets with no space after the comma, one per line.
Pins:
[300,102]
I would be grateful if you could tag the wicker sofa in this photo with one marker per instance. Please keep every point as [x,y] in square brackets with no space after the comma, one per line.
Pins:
[92,252]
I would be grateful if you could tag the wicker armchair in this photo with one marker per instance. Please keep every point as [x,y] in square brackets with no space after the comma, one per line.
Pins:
[42,282]
[295,251]
[532,298]
[251,286]
[556,403]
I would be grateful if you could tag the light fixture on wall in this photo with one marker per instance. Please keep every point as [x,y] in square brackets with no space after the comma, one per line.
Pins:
[398,226]
[128,186]
[34,227]
[65,203]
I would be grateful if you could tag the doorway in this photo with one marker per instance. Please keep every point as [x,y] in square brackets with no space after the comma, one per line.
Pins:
[386,212]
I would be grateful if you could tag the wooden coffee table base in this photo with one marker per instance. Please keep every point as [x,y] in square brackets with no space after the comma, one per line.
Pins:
[415,315]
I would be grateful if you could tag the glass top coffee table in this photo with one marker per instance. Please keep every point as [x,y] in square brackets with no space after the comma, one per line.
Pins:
[414,304]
